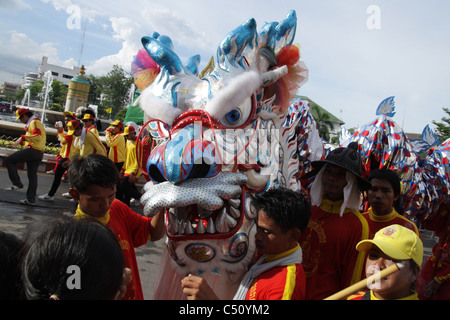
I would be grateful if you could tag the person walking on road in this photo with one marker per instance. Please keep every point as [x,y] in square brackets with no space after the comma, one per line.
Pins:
[34,145]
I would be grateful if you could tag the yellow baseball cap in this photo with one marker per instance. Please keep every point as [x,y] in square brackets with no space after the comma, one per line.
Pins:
[20,112]
[117,123]
[397,242]
[128,130]
[88,116]
[69,114]
[72,125]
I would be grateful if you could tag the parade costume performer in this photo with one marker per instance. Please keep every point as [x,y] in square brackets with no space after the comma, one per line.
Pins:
[244,95]
[382,195]
[68,116]
[382,143]
[330,260]
[93,182]
[117,149]
[130,170]
[116,143]
[34,145]
[68,152]
[394,244]
[278,275]
[434,279]
[88,121]
[86,141]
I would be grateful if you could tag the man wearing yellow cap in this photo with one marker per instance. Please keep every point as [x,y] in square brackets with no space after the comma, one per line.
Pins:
[130,171]
[393,244]
[34,142]
[86,141]
[116,143]
[88,121]
[68,152]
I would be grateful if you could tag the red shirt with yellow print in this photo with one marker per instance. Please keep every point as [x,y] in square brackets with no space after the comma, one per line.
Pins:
[279,283]
[330,258]
[132,230]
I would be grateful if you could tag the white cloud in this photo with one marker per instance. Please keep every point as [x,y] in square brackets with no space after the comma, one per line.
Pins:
[129,33]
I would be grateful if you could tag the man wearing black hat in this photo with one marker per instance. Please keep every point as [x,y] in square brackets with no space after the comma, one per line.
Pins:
[329,257]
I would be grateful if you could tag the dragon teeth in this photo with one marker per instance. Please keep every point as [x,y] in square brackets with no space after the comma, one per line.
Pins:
[225,220]
[210,226]
[188,229]
[200,228]
[230,221]
[235,213]
[235,203]
[221,222]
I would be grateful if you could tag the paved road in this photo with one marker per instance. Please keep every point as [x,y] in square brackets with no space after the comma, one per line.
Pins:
[15,218]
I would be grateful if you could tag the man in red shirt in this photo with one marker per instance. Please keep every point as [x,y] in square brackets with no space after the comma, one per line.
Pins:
[382,196]
[94,180]
[330,259]
[278,275]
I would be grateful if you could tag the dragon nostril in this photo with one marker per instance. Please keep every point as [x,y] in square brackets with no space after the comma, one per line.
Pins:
[155,174]
[199,170]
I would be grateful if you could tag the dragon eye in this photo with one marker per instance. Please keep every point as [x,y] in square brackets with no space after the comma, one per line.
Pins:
[233,116]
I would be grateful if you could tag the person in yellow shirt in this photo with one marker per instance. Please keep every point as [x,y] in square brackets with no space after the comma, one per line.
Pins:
[130,170]
[86,141]
[88,121]
[34,145]
[116,143]
[117,149]
[68,152]
[68,116]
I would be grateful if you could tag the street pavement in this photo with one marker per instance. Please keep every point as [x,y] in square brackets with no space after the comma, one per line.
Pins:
[16,218]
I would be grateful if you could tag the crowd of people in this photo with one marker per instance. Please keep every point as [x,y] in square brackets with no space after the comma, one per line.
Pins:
[78,137]
[310,244]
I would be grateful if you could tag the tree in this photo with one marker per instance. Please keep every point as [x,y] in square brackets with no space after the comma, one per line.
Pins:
[35,90]
[324,123]
[115,86]
[443,128]
[59,95]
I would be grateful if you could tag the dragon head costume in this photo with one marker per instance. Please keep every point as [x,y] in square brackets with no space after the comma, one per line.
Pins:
[221,137]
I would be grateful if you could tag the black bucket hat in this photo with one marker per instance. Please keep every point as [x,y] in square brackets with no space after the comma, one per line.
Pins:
[345,158]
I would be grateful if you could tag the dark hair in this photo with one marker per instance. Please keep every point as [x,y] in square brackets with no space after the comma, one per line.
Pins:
[92,169]
[10,280]
[65,242]
[289,209]
[388,175]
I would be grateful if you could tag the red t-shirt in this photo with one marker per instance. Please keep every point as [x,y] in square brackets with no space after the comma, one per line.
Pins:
[377,223]
[132,230]
[279,283]
[330,258]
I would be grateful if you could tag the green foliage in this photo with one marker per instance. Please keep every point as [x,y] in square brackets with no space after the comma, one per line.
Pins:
[324,123]
[35,89]
[59,93]
[107,91]
[443,128]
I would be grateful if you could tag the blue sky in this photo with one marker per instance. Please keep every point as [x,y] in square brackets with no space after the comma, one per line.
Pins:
[404,51]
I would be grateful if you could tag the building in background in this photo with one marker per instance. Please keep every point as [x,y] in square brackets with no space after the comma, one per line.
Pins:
[10,89]
[61,74]
[29,78]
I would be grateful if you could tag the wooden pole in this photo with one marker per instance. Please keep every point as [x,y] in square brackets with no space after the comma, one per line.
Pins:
[365,282]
